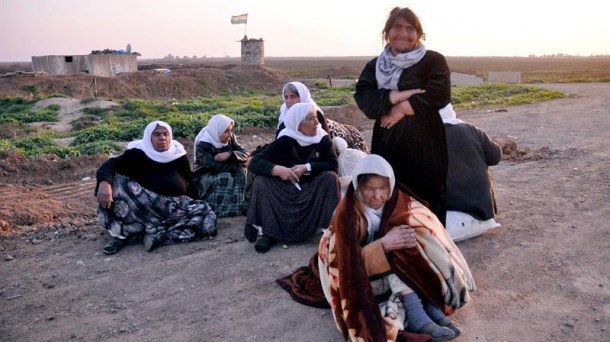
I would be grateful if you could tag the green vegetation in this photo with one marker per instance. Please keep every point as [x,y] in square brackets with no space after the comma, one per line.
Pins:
[499,95]
[98,130]
[16,109]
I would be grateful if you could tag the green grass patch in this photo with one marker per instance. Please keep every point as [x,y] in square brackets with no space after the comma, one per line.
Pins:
[98,130]
[500,95]
[17,110]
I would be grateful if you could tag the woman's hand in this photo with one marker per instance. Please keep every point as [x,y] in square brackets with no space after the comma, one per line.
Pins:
[299,169]
[400,96]
[222,156]
[399,237]
[284,173]
[104,194]
[397,113]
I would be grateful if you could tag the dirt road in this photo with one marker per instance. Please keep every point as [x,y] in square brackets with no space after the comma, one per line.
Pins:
[542,276]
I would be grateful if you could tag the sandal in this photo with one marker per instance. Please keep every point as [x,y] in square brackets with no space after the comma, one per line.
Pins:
[263,245]
[114,245]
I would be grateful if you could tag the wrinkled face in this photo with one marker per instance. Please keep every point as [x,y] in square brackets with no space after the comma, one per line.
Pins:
[160,139]
[291,98]
[375,191]
[309,125]
[225,136]
[402,37]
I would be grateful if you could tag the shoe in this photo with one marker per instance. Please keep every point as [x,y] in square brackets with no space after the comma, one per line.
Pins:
[150,243]
[250,232]
[114,245]
[437,332]
[446,322]
[264,243]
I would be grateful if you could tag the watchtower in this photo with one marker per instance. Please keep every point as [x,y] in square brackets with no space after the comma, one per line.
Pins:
[252,51]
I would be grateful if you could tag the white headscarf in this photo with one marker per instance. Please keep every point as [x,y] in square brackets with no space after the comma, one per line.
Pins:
[373,164]
[212,131]
[389,67]
[296,114]
[304,97]
[448,115]
[175,151]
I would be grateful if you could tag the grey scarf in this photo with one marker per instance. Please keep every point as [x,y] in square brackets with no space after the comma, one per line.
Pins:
[389,67]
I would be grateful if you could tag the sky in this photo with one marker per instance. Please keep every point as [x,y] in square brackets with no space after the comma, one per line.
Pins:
[313,28]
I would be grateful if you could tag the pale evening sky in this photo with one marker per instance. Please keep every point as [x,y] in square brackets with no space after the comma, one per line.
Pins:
[156,28]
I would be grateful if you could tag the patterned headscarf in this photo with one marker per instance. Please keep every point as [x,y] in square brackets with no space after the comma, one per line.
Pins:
[175,150]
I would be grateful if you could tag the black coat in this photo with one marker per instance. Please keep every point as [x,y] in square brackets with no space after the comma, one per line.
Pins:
[205,163]
[415,146]
[469,183]
[167,179]
[287,152]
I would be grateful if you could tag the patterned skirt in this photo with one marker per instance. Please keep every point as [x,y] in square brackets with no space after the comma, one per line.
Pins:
[224,192]
[289,214]
[138,211]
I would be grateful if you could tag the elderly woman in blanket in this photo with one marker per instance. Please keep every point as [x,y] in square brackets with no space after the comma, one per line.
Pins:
[386,265]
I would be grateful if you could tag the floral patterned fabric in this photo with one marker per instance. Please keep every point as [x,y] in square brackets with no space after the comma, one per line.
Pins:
[138,211]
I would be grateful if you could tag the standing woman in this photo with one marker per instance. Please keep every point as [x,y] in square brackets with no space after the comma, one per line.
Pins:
[408,130]
[295,188]
[148,190]
[220,174]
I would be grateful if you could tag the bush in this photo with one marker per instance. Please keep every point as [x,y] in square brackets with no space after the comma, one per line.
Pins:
[97,147]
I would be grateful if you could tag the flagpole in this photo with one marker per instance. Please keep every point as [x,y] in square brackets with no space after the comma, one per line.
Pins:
[245,28]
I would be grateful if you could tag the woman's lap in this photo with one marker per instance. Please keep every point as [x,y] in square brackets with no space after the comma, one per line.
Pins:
[291,215]
[138,211]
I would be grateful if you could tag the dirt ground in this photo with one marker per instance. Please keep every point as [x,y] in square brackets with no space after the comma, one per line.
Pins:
[542,276]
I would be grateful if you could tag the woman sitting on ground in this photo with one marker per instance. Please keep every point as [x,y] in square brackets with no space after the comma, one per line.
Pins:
[148,191]
[220,174]
[295,186]
[386,265]
[297,92]
[471,204]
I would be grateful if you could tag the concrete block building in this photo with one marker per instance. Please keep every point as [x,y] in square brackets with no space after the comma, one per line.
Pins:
[106,65]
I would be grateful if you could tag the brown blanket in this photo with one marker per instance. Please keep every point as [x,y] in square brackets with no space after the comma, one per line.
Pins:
[435,269]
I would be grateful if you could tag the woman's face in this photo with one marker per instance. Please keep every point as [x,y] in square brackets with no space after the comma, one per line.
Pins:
[402,37]
[291,98]
[225,136]
[375,191]
[309,125]
[160,139]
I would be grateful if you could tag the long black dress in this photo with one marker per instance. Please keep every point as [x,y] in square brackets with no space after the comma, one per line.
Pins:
[415,146]
[283,211]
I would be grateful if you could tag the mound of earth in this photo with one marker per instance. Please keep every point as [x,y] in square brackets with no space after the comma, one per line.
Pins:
[177,84]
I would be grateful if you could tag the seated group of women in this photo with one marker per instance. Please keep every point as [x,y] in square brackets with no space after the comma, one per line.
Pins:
[149,191]
[405,272]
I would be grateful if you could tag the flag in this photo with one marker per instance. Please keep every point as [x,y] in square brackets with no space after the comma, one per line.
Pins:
[239,19]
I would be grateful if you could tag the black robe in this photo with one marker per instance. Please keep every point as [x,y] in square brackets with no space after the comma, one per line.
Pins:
[415,146]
